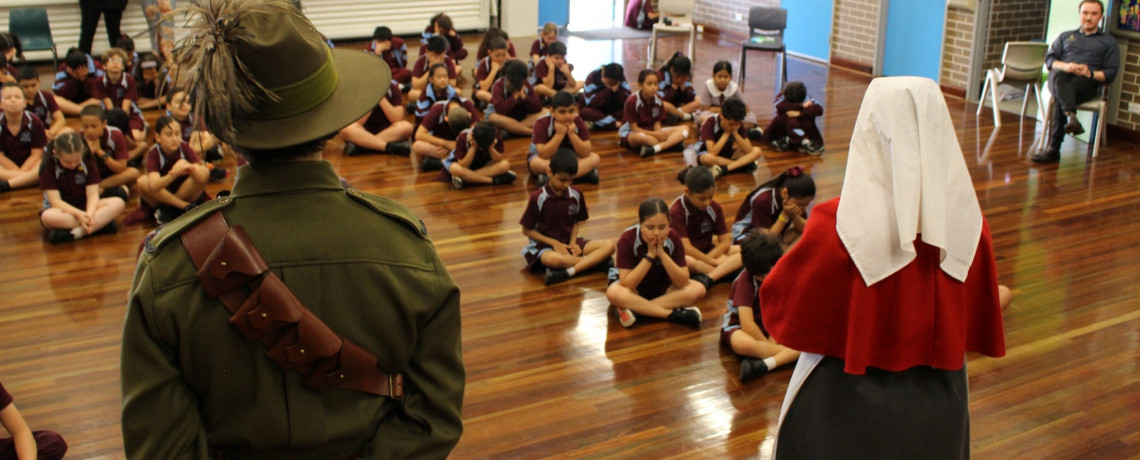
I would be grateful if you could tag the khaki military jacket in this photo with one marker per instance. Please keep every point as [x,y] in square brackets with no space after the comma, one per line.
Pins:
[193,384]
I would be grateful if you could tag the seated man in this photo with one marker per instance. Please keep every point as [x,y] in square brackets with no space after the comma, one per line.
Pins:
[1078,61]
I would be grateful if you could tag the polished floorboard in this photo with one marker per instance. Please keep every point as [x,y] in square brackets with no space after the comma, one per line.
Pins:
[551,373]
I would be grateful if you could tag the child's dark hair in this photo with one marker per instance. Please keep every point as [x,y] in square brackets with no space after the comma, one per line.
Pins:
[564,161]
[613,71]
[147,61]
[492,32]
[722,65]
[733,109]
[8,41]
[798,182]
[457,118]
[69,142]
[438,65]
[561,99]
[483,134]
[382,33]
[515,72]
[13,85]
[679,64]
[118,118]
[698,179]
[794,92]
[27,72]
[645,73]
[444,23]
[496,43]
[557,48]
[125,43]
[759,252]
[437,44]
[163,122]
[75,59]
[652,207]
[93,111]
[495,32]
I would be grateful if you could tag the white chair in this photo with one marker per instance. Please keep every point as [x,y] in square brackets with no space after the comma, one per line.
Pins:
[1021,65]
[680,14]
[1098,104]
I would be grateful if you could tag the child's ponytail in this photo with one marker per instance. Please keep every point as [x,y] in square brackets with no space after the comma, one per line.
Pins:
[798,182]
[698,179]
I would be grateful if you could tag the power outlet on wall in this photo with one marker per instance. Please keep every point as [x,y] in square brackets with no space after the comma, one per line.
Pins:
[738,17]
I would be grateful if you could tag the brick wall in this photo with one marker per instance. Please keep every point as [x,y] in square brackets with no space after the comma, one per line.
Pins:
[722,14]
[855,31]
[957,48]
[1012,20]
[1130,88]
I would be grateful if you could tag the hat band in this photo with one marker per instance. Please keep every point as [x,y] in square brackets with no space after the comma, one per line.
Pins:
[302,96]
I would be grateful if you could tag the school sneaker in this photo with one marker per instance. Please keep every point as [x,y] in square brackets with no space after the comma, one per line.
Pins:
[504,178]
[755,134]
[752,369]
[218,174]
[57,236]
[540,180]
[589,126]
[164,214]
[646,151]
[402,149]
[411,107]
[748,168]
[625,317]
[351,149]
[555,276]
[110,229]
[456,182]
[810,148]
[703,279]
[590,178]
[781,144]
[718,171]
[431,164]
[671,119]
[121,192]
[605,265]
[689,316]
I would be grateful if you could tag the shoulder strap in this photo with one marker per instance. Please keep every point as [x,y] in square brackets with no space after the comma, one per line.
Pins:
[229,266]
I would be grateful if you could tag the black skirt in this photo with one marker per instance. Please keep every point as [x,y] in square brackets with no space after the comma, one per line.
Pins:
[920,413]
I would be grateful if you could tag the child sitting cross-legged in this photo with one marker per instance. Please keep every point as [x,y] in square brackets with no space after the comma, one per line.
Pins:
[794,125]
[552,220]
[435,137]
[699,220]
[553,74]
[478,158]
[175,175]
[724,144]
[743,329]
[650,278]
[644,112]
[562,128]
[70,182]
[515,104]
[383,129]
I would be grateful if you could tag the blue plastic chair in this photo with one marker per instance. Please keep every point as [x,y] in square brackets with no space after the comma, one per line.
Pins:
[31,25]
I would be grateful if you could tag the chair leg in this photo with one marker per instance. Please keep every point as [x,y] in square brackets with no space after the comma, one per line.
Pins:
[743,65]
[1025,99]
[997,108]
[982,95]
[1040,97]
[1100,134]
[784,68]
[652,47]
[693,43]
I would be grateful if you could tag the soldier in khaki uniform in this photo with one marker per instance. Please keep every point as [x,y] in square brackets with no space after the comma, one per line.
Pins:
[193,385]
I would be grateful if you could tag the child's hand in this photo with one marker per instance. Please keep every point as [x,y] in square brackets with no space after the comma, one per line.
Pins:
[793,113]
[661,135]
[562,249]
[807,103]
[791,208]
[93,146]
[450,145]
[560,128]
[575,249]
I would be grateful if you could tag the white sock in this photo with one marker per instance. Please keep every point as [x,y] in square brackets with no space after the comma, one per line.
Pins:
[687,116]
[78,232]
[657,148]
[770,362]
[570,271]
[685,134]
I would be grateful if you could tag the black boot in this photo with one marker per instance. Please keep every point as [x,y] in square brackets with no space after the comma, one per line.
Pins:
[1073,126]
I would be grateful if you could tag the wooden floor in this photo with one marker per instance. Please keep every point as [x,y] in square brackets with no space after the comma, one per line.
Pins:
[552,373]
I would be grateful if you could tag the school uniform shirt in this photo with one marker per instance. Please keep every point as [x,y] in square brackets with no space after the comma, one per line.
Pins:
[715,97]
[598,96]
[114,144]
[631,248]
[147,89]
[698,225]
[541,70]
[162,162]
[188,125]
[455,49]
[18,147]
[540,48]
[125,88]
[73,89]
[482,69]
[506,104]
[436,125]
[644,113]
[554,215]
[43,105]
[669,93]
[637,14]
[430,96]
[544,131]
[760,210]
[396,56]
[421,67]
[71,183]
[711,131]
[378,121]
[482,156]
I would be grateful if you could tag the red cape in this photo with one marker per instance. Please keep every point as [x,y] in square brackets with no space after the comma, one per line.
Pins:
[815,300]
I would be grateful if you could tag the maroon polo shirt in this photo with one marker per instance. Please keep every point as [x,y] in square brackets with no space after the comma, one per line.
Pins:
[539,47]
[421,67]
[125,88]
[74,90]
[506,105]
[698,225]
[541,70]
[554,215]
[644,113]
[164,161]
[483,69]
[631,248]
[711,132]
[71,183]
[378,121]
[765,209]
[677,97]
[437,126]
[43,105]
[395,56]
[114,144]
[18,147]
[544,130]
[5,397]
[482,156]
[745,294]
